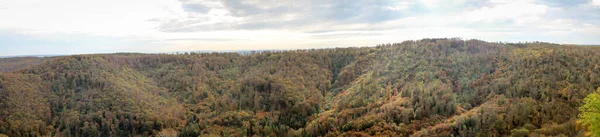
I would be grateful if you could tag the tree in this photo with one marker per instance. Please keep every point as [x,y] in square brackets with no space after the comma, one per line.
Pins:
[590,113]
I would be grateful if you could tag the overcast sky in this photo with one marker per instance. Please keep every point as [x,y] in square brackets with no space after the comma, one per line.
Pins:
[104,26]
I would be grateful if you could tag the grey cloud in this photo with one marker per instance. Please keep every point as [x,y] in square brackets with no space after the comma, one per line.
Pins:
[271,14]
[585,13]
[363,10]
[260,25]
[581,13]
[563,3]
[317,10]
[183,26]
[194,6]
[245,8]
[329,15]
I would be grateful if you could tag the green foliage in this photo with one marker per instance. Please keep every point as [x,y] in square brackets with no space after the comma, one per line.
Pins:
[590,113]
[521,132]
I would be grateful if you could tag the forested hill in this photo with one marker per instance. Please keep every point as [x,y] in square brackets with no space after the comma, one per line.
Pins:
[429,87]
[13,63]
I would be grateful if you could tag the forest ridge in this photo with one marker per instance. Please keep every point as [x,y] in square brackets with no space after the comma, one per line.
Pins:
[428,87]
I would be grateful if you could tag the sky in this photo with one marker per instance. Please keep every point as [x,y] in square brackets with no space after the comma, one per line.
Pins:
[33,27]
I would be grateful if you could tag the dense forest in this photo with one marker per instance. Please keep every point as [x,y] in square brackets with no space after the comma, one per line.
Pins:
[10,64]
[429,87]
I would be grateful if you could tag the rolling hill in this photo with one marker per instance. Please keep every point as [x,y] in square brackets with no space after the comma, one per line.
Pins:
[429,87]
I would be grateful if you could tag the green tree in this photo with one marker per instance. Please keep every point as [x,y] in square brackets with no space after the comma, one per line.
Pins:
[590,113]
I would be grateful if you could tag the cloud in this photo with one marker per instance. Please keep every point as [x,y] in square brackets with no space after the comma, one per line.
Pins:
[585,12]
[502,15]
[331,15]
[331,20]
[179,25]
[195,7]
[596,2]
[274,14]
[563,3]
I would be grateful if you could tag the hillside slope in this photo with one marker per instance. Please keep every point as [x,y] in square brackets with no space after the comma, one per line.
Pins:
[429,87]
[11,64]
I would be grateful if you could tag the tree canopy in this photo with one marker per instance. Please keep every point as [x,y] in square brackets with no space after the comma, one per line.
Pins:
[590,113]
[429,87]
